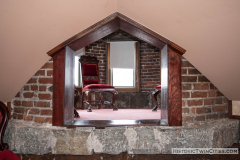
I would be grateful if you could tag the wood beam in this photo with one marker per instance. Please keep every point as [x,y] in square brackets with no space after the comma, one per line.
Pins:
[104,27]
[171,94]
[127,27]
[63,87]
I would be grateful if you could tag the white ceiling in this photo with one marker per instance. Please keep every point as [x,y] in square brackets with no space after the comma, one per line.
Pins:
[208,30]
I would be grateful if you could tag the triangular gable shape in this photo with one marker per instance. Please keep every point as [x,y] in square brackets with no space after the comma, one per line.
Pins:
[111,24]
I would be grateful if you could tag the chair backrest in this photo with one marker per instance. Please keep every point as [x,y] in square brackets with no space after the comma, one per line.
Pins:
[89,70]
[4,117]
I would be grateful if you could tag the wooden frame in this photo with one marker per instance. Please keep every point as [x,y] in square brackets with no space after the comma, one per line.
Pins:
[170,63]
[230,115]
[137,71]
[3,124]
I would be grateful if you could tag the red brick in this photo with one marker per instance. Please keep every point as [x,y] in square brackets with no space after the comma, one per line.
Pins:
[28,94]
[49,120]
[193,110]
[212,116]
[200,118]
[17,116]
[28,118]
[40,73]
[32,80]
[189,78]
[212,86]
[45,81]
[218,108]
[209,101]
[185,110]
[17,103]
[42,88]
[212,94]
[219,101]
[185,95]
[200,87]
[26,88]
[39,119]
[225,100]
[50,60]
[199,94]
[46,112]
[187,118]
[219,94]
[18,110]
[27,103]
[203,110]
[47,65]
[183,103]
[32,111]
[34,88]
[44,96]
[186,64]
[17,95]
[195,102]
[50,73]
[193,71]
[186,86]
[202,79]
[41,104]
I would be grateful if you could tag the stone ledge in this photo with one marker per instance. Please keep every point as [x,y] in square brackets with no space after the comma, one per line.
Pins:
[35,138]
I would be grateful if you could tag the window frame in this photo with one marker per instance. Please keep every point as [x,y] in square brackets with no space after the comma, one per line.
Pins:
[137,70]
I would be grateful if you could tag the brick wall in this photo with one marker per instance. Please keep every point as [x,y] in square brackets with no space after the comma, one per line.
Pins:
[149,62]
[201,100]
[150,59]
[34,101]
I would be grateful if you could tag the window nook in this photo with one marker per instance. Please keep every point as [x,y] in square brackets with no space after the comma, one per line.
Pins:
[63,57]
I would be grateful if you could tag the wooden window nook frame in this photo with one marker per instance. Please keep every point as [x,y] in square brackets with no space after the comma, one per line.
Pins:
[63,90]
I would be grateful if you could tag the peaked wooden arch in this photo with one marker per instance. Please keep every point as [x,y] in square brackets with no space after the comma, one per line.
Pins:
[111,24]
[63,54]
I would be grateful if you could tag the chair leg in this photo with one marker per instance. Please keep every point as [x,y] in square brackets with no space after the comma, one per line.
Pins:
[82,100]
[88,95]
[154,94]
[115,94]
[76,115]
[100,100]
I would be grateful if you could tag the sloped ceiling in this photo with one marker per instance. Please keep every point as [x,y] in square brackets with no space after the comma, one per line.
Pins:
[208,30]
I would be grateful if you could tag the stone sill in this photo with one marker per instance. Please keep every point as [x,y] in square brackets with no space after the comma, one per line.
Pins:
[35,138]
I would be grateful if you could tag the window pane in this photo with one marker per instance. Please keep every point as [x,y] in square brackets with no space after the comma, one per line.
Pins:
[76,71]
[122,77]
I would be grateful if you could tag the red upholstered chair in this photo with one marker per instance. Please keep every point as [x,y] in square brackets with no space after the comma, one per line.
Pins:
[90,83]
[155,94]
[4,117]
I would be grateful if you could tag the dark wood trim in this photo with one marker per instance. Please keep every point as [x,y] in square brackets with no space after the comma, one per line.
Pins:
[95,35]
[112,123]
[58,88]
[127,27]
[108,78]
[9,106]
[230,115]
[171,94]
[109,25]
[3,124]
[69,88]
